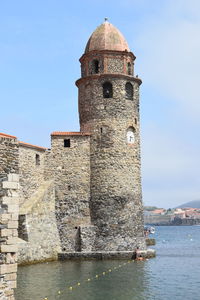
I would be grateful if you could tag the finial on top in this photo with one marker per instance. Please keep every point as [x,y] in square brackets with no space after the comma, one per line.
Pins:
[106,19]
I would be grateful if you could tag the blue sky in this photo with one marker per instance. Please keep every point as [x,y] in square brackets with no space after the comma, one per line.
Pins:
[40,44]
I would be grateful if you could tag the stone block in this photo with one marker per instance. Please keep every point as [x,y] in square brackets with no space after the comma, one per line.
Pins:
[12,224]
[10,185]
[3,269]
[3,223]
[13,177]
[14,232]
[11,258]
[12,268]
[5,217]
[12,193]
[9,293]
[12,240]
[10,200]
[12,284]
[13,209]
[6,232]
[15,217]
[8,248]
[11,276]
[2,285]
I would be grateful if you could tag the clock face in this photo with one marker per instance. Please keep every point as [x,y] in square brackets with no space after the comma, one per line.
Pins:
[130,136]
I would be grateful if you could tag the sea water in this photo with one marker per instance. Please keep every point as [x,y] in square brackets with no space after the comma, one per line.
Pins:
[173,274]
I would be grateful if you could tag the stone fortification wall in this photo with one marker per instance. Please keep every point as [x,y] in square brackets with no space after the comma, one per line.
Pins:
[70,169]
[31,169]
[9,206]
[39,238]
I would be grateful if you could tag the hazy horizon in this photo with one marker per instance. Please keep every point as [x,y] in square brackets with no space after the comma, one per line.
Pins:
[40,47]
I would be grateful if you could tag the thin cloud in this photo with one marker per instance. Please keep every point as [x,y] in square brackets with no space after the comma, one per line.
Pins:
[169,63]
[171,60]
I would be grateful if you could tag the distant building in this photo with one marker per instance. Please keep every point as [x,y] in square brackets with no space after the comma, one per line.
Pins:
[160,211]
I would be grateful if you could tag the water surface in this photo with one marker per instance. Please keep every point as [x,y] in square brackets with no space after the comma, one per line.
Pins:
[173,274]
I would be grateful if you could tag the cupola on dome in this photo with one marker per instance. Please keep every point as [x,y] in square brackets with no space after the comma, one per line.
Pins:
[107,37]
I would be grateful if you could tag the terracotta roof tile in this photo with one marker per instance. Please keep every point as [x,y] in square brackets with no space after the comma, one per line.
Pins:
[7,135]
[31,146]
[69,133]
[107,37]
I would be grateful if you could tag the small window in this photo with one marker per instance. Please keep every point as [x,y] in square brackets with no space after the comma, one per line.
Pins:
[129,91]
[130,135]
[37,159]
[67,143]
[129,68]
[95,66]
[107,90]
[22,228]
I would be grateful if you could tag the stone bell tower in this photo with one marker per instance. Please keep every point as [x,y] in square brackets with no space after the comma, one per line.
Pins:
[109,110]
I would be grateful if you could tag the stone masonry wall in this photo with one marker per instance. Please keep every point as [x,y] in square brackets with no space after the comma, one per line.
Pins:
[37,226]
[115,65]
[9,206]
[31,171]
[116,197]
[39,238]
[109,62]
[116,206]
[70,169]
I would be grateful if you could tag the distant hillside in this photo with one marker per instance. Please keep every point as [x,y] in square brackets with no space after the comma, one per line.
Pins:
[194,204]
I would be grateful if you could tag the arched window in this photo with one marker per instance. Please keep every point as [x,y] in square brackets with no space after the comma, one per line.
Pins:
[95,66]
[129,91]
[107,90]
[130,135]
[129,68]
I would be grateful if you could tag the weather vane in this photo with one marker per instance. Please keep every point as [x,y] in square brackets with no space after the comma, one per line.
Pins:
[106,19]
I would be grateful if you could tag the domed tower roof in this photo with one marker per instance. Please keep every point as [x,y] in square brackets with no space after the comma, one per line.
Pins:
[107,37]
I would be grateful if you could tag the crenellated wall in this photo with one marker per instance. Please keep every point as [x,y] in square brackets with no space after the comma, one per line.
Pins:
[9,207]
